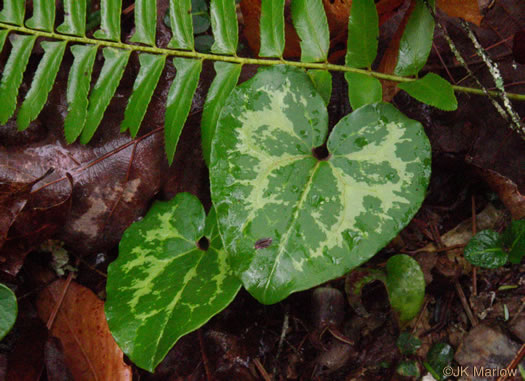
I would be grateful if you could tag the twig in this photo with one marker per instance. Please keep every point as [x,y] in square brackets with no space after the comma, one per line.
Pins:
[474,230]
[261,370]
[513,364]
[473,319]
[204,357]
[498,79]
[286,323]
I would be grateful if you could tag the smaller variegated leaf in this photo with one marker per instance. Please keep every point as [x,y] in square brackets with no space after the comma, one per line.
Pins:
[319,216]
[164,284]
[432,90]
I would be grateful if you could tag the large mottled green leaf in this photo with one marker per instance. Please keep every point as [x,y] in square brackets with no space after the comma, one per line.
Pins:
[163,285]
[74,18]
[179,101]
[227,75]
[363,89]
[363,32]
[272,28]
[109,20]
[78,89]
[42,83]
[181,25]
[416,41]
[486,250]
[317,218]
[432,90]
[9,308]
[405,283]
[43,15]
[13,73]
[151,66]
[145,22]
[309,19]
[514,240]
[115,61]
[322,80]
[13,12]
[224,26]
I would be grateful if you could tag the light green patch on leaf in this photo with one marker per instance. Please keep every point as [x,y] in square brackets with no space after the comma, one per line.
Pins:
[432,90]
[110,11]
[363,33]
[322,80]
[43,15]
[162,286]
[9,308]
[74,18]
[406,286]
[151,66]
[42,83]
[227,75]
[181,23]
[13,73]
[311,25]
[363,89]
[13,12]
[321,217]
[145,22]
[224,26]
[514,240]
[78,85]
[416,41]
[272,28]
[486,250]
[179,101]
[115,61]
[3,36]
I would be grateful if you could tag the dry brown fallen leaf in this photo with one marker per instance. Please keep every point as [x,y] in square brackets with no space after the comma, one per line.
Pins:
[90,350]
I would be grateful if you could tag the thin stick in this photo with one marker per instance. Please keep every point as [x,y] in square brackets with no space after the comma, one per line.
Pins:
[513,364]
[204,357]
[261,370]
[474,230]
[473,319]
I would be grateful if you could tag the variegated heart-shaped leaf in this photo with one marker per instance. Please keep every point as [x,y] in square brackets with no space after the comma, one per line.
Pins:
[291,220]
[165,284]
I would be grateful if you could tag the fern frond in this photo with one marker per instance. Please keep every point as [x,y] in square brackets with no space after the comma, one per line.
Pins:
[86,105]
[13,73]
[310,22]
[151,66]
